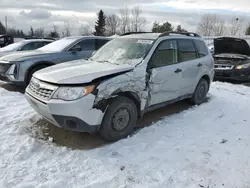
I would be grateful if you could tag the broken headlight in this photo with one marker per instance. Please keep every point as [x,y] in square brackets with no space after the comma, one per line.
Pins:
[72,93]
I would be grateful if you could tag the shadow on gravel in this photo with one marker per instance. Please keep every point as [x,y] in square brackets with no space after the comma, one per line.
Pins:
[84,141]
[11,87]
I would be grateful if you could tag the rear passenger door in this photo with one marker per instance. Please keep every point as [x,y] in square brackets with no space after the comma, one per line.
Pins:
[165,73]
[188,57]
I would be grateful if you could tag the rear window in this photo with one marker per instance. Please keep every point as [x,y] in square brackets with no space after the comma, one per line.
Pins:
[201,47]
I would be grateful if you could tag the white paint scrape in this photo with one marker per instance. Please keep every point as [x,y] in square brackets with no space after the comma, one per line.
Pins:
[204,146]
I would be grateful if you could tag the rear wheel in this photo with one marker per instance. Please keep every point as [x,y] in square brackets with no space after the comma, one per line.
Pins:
[32,71]
[199,96]
[119,119]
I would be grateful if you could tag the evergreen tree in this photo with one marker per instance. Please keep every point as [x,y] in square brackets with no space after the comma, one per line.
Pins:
[165,27]
[2,29]
[100,24]
[31,33]
[180,29]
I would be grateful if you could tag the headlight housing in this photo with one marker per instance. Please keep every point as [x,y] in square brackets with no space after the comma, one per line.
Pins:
[244,66]
[72,93]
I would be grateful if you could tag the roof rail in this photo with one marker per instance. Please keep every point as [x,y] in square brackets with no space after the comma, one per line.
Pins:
[130,33]
[180,33]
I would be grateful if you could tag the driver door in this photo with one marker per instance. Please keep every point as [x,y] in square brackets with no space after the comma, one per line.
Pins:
[165,73]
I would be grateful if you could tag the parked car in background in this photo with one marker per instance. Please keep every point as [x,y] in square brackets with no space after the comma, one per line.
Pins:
[127,77]
[232,59]
[18,68]
[6,40]
[211,47]
[24,45]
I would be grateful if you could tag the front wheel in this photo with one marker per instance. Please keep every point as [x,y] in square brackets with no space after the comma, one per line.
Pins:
[200,93]
[119,119]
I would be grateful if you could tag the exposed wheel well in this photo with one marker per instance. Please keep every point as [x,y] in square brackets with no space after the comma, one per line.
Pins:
[103,104]
[134,97]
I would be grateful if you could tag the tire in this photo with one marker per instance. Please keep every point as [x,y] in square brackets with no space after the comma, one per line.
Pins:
[32,71]
[200,93]
[119,120]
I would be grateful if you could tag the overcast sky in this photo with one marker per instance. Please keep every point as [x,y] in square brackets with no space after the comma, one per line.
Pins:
[44,13]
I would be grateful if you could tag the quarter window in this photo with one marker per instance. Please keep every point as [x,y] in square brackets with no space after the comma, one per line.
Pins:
[187,50]
[165,54]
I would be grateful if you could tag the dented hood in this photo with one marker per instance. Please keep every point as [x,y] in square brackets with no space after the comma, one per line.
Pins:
[79,72]
[231,45]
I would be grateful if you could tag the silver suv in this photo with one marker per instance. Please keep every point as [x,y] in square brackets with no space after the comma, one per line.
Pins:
[18,67]
[127,77]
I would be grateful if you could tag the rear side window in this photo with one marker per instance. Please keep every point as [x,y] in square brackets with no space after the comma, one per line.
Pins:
[186,50]
[100,43]
[29,46]
[38,45]
[201,48]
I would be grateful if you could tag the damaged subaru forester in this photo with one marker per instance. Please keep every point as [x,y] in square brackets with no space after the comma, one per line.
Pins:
[129,76]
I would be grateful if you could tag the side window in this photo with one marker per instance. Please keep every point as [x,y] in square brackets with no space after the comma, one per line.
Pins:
[186,49]
[38,45]
[201,47]
[87,45]
[29,46]
[165,54]
[100,43]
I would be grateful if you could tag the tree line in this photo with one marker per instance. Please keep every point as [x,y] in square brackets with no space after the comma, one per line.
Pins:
[132,20]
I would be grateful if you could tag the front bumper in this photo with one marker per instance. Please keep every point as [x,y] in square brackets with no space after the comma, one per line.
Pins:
[233,74]
[78,115]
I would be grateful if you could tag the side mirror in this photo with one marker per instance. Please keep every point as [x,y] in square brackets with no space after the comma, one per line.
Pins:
[76,48]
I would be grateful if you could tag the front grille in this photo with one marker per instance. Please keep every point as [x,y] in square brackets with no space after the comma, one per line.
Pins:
[40,89]
[223,67]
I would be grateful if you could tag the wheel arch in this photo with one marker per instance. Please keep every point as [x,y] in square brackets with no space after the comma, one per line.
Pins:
[103,104]
[40,63]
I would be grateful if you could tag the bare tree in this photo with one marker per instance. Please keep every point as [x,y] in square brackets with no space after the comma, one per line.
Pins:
[206,24]
[219,28]
[235,26]
[112,23]
[39,32]
[138,22]
[85,30]
[124,20]
[67,30]
[211,24]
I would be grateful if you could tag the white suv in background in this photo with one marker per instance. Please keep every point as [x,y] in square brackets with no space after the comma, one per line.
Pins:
[127,77]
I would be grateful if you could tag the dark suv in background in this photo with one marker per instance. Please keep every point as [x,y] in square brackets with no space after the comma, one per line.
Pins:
[232,59]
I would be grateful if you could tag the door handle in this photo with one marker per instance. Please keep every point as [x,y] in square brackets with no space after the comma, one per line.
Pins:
[199,65]
[177,70]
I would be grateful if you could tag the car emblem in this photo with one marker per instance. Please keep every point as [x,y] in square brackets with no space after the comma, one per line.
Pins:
[36,84]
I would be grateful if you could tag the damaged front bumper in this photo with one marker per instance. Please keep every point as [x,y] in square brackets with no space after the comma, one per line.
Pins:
[78,115]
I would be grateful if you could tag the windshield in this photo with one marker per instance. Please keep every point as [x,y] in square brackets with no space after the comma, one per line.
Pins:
[12,47]
[123,51]
[58,45]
